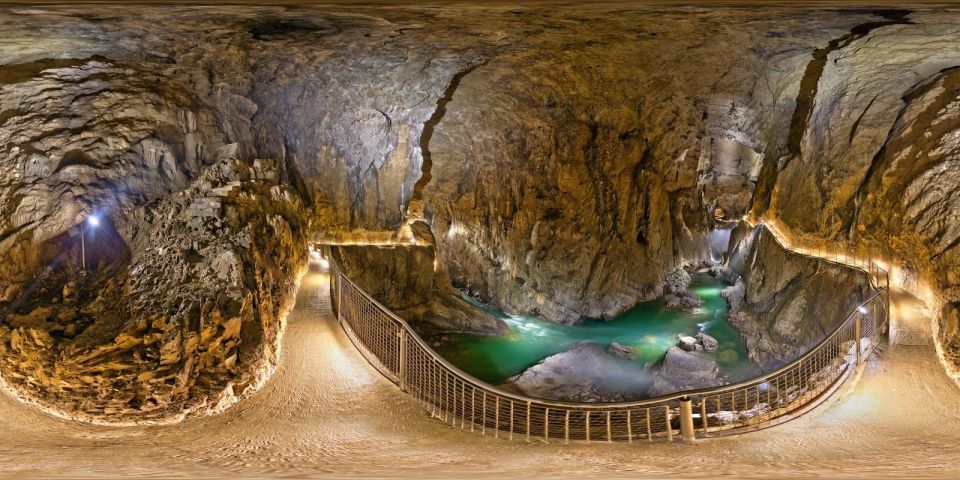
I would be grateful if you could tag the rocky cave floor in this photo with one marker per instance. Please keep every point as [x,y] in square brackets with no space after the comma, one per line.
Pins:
[322,414]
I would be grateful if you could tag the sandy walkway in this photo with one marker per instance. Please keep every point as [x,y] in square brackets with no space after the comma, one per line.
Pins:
[325,412]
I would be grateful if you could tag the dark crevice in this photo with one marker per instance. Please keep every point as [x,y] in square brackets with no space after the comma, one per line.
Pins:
[431,124]
[807,95]
[856,123]
[75,157]
[14,231]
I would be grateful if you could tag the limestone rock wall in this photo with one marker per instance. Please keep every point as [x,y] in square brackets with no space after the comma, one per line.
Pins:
[551,195]
[565,160]
[876,167]
[405,279]
[187,321]
[784,303]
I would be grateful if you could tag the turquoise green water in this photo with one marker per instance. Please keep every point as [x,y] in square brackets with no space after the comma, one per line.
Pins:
[650,328]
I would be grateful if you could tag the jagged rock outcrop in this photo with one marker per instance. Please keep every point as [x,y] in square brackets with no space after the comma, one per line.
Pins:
[405,279]
[188,319]
[785,303]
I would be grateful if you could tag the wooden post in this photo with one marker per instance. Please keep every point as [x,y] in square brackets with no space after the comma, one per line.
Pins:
[609,433]
[528,420]
[666,416]
[483,415]
[339,283]
[496,416]
[856,334]
[587,424]
[703,414]
[403,360]
[686,420]
[546,425]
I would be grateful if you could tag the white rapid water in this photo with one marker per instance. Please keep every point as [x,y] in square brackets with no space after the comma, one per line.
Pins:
[327,413]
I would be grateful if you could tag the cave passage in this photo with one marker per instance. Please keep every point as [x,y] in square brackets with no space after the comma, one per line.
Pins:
[650,329]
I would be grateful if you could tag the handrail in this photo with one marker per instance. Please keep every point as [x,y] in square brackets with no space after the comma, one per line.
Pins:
[601,405]
[432,375]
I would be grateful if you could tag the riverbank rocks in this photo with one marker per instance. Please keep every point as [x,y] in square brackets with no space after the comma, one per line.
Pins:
[683,300]
[584,373]
[709,343]
[684,370]
[677,281]
[699,343]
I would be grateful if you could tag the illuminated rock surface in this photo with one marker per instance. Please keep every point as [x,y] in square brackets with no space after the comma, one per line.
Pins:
[326,412]
[566,161]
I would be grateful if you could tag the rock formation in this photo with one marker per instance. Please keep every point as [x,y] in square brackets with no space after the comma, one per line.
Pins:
[584,373]
[565,160]
[685,370]
[181,311]
[405,279]
[785,303]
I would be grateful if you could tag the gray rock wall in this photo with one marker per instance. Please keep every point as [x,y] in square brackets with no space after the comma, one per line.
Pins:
[406,280]
[784,303]
[566,159]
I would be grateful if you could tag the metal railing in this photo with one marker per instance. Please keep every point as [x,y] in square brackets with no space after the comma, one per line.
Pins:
[457,398]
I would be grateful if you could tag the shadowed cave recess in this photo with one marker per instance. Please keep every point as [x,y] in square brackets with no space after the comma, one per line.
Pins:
[560,163]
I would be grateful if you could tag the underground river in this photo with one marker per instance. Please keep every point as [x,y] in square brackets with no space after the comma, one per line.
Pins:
[650,329]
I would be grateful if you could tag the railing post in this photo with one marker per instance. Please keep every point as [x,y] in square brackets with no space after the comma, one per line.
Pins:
[666,415]
[403,360]
[339,297]
[686,420]
[856,333]
[703,413]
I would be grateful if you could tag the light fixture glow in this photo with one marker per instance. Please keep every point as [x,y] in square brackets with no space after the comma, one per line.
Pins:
[93,221]
[862,309]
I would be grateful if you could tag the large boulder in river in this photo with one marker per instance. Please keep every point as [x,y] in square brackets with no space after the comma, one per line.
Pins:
[687,343]
[584,373]
[676,281]
[709,343]
[682,370]
[685,300]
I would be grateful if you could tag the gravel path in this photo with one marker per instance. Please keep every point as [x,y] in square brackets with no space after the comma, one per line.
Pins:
[327,413]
